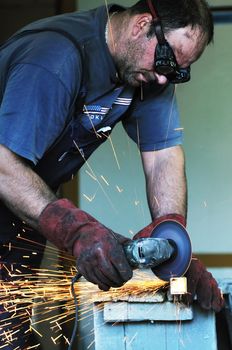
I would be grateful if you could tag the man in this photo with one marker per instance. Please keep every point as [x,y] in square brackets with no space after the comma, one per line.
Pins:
[65,82]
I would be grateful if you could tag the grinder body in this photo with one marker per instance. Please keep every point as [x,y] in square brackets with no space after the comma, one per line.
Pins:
[148,252]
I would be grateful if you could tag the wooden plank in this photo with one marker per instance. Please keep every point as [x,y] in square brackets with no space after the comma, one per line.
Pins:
[158,297]
[135,312]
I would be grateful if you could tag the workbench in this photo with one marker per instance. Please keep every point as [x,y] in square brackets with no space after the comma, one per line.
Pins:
[150,322]
[152,325]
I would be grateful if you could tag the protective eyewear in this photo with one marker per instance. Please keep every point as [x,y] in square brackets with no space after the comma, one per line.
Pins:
[165,62]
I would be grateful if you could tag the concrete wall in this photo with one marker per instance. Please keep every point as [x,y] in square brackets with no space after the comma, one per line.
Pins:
[118,199]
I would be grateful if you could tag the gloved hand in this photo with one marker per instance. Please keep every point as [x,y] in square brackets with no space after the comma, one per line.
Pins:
[99,251]
[201,283]
[146,231]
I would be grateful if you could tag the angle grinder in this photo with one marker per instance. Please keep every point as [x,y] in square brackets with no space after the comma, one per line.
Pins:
[167,251]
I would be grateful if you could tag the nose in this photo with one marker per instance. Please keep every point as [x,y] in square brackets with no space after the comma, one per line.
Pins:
[161,79]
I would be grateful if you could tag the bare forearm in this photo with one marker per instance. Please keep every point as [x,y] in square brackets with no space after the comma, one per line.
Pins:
[21,189]
[166,181]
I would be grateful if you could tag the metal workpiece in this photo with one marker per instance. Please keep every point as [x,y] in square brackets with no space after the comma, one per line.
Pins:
[148,252]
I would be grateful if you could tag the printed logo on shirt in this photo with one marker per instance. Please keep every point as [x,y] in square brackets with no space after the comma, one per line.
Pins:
[95,113]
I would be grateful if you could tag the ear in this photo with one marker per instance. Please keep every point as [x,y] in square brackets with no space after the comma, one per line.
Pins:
[140,24]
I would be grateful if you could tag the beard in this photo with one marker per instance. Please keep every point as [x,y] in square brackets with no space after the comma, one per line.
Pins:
[127,65]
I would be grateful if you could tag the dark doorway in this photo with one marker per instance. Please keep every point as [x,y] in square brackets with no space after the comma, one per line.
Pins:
[16,13]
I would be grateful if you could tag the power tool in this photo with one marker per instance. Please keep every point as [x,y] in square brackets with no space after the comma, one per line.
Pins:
[167,252]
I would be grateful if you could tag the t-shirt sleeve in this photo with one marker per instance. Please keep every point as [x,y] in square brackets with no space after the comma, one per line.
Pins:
[37,99]
[153,120]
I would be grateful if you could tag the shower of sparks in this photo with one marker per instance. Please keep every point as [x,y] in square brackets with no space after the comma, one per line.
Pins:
[93,174]
[44,295]
[142,285]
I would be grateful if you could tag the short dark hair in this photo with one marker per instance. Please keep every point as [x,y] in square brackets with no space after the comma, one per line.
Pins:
[176,14]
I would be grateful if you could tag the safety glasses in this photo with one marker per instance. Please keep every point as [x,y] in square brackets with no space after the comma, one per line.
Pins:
[165,62]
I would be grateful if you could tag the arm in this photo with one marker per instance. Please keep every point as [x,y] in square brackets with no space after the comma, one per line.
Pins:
[21,189]
[99,252]
[166,192]
[165,181]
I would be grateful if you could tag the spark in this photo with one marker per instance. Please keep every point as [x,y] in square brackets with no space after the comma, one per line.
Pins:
[66,339]
[104,179]
[141,91]
[89,346]
[138,135]
[132,339]
[110,26]
[41,290]
[91,175]
[120,190]
[55,339]
[36,331]
[178,129]
[93,127]
[90,199]
[170,114]
[33,346]
[156,200]
[114,152]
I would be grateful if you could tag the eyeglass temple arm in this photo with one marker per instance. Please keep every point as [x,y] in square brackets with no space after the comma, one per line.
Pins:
[158,26]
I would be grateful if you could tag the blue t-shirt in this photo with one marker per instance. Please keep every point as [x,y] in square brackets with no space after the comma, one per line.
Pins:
[43,78]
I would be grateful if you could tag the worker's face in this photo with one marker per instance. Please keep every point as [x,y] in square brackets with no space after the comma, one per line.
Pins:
[136,62]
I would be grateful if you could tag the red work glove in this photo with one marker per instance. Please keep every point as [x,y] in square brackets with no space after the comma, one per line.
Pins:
[99,251]
[202,284]
[146,231]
